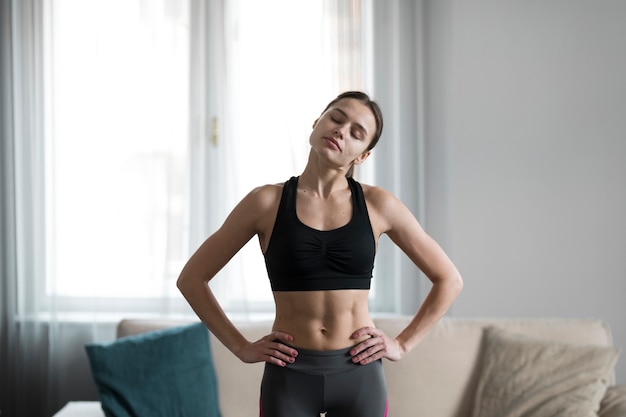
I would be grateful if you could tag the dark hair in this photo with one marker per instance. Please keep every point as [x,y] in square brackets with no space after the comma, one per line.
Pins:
[373,106]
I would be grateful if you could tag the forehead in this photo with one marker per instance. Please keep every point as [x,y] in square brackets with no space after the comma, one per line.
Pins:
[357,111]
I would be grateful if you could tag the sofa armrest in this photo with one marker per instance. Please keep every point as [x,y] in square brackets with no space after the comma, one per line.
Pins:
[614,402]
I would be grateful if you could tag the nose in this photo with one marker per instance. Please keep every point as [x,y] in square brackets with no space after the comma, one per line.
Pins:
[338,132]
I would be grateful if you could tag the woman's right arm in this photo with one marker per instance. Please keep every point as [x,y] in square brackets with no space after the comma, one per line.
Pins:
[245,221]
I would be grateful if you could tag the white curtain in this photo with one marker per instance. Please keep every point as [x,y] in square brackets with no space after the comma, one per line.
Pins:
[94,212]
[21,211]
[398,30]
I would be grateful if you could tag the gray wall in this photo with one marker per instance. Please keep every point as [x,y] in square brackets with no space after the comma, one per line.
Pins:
[526,152]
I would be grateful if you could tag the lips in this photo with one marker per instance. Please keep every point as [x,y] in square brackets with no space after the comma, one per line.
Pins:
[333,142]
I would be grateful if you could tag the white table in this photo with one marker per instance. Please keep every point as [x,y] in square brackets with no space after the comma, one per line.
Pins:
[81,409]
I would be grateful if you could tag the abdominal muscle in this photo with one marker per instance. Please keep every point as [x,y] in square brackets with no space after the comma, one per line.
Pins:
[322,320]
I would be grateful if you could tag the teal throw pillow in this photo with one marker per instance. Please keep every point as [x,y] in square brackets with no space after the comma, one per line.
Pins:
[165,373]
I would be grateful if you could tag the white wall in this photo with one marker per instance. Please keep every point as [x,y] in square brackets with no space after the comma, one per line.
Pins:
[526,154]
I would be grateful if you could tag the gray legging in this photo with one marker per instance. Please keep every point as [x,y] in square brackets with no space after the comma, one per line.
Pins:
[324,382]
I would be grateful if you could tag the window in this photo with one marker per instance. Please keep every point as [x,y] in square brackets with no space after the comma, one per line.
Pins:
[283,68]
[119,141]
[116,82]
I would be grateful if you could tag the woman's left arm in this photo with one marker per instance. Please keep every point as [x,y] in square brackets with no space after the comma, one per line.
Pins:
[389,215]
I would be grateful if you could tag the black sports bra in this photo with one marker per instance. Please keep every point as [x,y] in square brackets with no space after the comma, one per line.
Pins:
[300,258]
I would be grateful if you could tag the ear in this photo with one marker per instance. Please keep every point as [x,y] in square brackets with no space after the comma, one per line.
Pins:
[315,123]
[361,158]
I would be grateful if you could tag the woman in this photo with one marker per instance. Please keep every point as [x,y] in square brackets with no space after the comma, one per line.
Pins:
[319,234]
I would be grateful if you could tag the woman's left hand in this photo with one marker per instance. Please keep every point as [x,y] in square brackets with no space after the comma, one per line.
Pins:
[378,346]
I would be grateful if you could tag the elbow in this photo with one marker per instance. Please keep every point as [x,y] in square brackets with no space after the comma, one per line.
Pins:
[457,284]
[454,283]
[189,282]
[449,285]
[182,283]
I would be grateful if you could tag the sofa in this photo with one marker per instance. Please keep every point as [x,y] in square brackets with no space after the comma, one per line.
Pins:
[463,368]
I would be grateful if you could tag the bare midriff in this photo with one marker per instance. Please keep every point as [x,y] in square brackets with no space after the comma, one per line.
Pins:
[322,320]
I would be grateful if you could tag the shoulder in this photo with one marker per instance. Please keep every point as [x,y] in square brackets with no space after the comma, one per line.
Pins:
[256,210]
[262,198]
[379,198]
[385,209]
[266,193]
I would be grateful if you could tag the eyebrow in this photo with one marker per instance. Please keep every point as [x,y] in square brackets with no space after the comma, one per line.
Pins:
[358,125]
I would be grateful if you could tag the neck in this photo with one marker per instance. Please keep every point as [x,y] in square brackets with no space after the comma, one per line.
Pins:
[322,184]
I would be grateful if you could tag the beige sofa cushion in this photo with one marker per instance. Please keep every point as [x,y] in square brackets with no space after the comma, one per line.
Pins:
[614,402]
[522,376]
[449,357]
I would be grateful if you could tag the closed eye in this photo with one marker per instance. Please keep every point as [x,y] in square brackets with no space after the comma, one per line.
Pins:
[338,116]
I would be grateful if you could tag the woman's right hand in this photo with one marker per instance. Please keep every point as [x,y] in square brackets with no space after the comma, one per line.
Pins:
[269,349]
